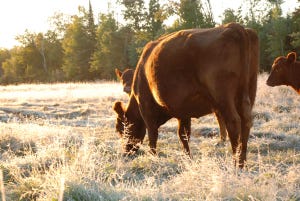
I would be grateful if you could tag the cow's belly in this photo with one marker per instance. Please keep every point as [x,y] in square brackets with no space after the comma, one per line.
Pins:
[184,101]
[194,106]
[181,94]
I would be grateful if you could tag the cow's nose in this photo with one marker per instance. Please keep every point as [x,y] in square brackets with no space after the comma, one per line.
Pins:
[269,83]
[127,89]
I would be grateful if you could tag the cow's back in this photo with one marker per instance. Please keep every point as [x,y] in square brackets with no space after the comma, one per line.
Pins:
[186,69]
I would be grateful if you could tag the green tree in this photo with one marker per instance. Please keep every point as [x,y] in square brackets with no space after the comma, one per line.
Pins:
[4,55]
[273,29]
[155,19]
[91,27]
[279,29]
[136,46]
[12,68]
[54,56]
[230,15]
[192,14]
[295,33]
[78,45]
[110,48]
[146,26]
[42,56]
[208,14]
[32,57]
[91,30]
[75,62]
[134,13]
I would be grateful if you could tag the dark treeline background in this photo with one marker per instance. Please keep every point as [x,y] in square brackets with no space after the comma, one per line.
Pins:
[78,48]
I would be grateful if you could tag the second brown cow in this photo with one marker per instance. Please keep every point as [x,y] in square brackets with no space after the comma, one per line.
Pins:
[285,71]
[126,78]
[192,73]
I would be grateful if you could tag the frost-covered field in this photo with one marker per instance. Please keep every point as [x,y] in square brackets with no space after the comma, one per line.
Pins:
[58,142]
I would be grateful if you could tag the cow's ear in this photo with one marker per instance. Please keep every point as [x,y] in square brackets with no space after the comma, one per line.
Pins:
[118,73]
[118,108]
[292,56]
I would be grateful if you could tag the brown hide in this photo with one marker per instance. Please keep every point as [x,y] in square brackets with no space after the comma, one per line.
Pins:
[285,71]
[126,77]
[192,73]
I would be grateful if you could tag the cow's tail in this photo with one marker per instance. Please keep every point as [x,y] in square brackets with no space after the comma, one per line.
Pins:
[241,37]
[244,104]
[254,63]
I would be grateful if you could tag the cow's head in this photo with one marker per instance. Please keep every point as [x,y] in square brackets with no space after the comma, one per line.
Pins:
[130,126]
[126,77]
[281,69]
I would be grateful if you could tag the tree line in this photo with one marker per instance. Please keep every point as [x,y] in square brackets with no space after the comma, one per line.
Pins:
[77,48]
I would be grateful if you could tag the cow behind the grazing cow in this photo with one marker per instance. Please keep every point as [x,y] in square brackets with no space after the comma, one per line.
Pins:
[192,73]
[285,71]
[126,78]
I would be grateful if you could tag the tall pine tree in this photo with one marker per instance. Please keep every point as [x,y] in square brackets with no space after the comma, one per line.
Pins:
[79,46]
[110,49]
[155,19]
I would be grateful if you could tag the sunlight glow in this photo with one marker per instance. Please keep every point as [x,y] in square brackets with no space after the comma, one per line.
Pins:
[17,16]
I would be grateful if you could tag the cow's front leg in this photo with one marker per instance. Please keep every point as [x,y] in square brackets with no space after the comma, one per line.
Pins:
[153,136]
[222,125]
[184,133]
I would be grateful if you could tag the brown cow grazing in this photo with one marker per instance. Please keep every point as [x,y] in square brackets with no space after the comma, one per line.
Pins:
[126,78]
[192,73]
[285,71]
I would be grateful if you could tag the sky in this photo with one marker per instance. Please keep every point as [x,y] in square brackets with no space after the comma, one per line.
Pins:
[18,15]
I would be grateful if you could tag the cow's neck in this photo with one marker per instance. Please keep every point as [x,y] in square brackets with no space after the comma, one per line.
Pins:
[132,111]
[295,77]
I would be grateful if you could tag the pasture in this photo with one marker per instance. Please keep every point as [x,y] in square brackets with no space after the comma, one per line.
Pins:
[58,142]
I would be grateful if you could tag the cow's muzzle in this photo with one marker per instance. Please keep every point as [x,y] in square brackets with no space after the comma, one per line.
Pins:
[270,83]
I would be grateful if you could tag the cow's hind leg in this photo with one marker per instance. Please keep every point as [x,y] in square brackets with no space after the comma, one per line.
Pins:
[233,124]
[184,133]
[246,124]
